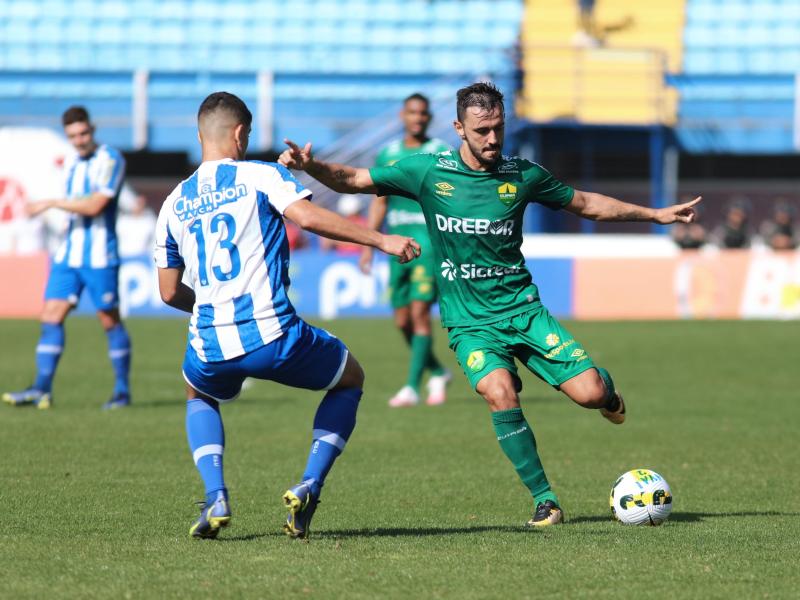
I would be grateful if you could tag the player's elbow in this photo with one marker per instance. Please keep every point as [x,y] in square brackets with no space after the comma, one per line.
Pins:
[168,294]
[305,218]
[97,205]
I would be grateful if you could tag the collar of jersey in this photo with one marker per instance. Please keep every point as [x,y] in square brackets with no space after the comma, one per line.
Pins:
[90,156]
[417,148]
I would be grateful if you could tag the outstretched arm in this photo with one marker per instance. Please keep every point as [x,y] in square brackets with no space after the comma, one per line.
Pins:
[340,178]
[375,217]
[331,225]
[598,207]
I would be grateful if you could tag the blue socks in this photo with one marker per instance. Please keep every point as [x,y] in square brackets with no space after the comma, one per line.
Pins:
[119,351]
[333,424]
[51,345]
[48,351]
[207,443]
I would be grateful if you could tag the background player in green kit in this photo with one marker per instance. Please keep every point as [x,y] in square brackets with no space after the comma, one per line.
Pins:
[473,200]
[412,286]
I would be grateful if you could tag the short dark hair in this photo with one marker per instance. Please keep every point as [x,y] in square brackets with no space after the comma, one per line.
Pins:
[75,114]
[484,95]
[227,102]
[417,96]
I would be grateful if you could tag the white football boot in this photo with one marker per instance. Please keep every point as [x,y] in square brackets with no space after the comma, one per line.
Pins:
[437,388]
[405,397]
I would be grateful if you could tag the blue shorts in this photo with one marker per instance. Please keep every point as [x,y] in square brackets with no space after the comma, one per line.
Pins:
[303,357]
[67,283]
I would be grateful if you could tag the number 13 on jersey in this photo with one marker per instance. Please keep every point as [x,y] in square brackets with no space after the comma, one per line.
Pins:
[224,225]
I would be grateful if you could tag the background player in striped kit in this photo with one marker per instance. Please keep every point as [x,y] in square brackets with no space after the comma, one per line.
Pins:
[221,230]
[87,258]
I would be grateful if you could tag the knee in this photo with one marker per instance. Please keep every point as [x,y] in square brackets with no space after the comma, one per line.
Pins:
[421,318]
[501,396]
[53,314]
[109,318]
[358,375]
[592,394]
[353,375]
[402,320]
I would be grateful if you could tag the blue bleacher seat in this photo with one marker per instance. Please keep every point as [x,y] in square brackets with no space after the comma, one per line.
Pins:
[145,27]
[354,51]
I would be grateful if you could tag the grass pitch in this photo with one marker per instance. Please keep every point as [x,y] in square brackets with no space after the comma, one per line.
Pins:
[422,504]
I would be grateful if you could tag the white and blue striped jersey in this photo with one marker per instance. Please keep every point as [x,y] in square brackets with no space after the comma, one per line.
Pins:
[224,226]
[92,241]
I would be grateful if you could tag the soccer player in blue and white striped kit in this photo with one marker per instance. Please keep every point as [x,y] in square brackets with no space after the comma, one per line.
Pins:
[87,258]
[221,231]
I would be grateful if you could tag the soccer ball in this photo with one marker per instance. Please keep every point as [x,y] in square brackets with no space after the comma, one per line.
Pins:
[641,497]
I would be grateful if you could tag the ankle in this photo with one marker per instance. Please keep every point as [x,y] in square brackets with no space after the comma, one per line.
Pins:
[612,404]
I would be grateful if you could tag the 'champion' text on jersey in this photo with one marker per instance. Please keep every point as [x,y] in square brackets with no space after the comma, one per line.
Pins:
[224,226]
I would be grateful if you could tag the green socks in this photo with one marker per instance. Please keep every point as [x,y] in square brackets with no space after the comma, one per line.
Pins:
[422,357]
[517,441]
[420,351]
[612,402]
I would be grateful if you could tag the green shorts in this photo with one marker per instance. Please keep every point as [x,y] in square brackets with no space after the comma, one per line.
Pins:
[535,338]
[412,281]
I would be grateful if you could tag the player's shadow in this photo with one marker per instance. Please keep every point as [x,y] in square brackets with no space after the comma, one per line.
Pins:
[386,532]
[679,517]
[419,531]
[251,536]
[690,517]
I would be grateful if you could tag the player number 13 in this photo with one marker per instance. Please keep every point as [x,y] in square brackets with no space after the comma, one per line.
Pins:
[225,243]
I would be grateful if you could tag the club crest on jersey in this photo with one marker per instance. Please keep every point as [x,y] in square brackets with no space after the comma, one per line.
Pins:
[443,188]
[507,193]
[208,201]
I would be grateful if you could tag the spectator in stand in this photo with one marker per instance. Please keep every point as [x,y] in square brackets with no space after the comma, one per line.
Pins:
[131,202]
[734,232]
[778,231]
[137,220]
[689,236]
[349,206]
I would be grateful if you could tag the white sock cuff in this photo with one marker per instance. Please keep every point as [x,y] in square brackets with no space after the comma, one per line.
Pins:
[206,450]
[49,349]
[331,438]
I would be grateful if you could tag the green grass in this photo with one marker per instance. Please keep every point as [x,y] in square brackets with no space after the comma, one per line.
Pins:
[422,504]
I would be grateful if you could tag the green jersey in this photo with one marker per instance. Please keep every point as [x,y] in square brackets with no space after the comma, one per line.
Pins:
[474,220]
[404,216]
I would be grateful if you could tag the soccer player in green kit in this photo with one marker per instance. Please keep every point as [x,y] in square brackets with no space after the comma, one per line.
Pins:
[473,200]
[412,286]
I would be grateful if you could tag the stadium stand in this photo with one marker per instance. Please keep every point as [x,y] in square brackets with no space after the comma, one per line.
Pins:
[614,74]
[365,57]
[738,81]
[733,62]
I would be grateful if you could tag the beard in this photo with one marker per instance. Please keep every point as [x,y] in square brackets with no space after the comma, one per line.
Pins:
[479,153]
